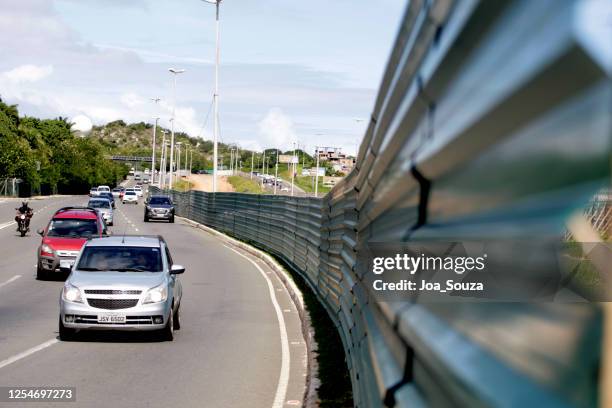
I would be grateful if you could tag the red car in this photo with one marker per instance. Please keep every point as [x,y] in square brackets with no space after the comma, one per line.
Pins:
[63,238]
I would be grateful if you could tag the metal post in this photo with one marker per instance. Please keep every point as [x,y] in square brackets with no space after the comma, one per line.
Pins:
[276,172]
[252,160]
[216,98]
[317,172]
[172,134]
[162,167]
[236,168]
[292,168]
[263,163]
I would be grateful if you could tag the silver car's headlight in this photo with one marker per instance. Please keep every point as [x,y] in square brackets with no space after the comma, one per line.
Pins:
[157,294]
[71,293]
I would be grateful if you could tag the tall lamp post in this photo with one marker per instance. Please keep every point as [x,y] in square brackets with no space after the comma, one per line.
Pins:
[162,164]
[174,72]
[178,163]
[156,100]
[216,95]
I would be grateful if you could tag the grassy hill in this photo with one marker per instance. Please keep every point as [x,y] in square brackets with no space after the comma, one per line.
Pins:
[119,138]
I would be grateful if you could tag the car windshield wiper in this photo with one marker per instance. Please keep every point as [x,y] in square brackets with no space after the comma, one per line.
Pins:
[130,270]
[89,268]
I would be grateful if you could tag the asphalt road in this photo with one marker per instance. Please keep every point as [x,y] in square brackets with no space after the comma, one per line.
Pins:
[240,343]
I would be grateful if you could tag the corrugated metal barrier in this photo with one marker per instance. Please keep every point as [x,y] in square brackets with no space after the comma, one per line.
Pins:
[492,122]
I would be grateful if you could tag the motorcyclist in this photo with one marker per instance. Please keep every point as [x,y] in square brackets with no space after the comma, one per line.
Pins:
[24,209]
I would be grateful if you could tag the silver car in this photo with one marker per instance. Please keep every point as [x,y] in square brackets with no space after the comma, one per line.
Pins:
[104,207]
[122,283]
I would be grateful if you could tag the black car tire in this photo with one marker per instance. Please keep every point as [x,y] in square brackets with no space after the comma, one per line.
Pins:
[65,333]
[177,318]
[41,274]
[167,333]
[146,219]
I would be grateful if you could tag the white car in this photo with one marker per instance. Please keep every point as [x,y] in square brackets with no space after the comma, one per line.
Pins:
[130,196]
[103,189]
[138,191]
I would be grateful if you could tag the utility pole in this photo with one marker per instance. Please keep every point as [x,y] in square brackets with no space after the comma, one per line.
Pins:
[231,163]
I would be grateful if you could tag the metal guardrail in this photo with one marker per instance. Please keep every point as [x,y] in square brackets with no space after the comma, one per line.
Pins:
[491,123]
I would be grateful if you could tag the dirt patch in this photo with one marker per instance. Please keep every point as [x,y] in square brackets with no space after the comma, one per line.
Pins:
[204,182]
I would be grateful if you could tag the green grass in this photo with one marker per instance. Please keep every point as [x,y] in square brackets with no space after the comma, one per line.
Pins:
[182,185]
[245,185]
[305,183]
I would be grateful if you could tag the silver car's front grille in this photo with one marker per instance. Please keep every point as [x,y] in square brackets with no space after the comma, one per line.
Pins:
[93,319]
[112,292]
[112,304]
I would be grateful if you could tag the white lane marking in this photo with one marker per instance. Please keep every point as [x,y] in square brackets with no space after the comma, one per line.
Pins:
[13,279]
[7,224]
[28,352]
[283,380]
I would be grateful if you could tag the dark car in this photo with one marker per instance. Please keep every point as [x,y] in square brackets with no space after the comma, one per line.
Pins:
[159,207]
[109,196]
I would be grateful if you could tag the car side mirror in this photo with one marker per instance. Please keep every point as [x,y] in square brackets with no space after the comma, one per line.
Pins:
[40,232]
[177,269]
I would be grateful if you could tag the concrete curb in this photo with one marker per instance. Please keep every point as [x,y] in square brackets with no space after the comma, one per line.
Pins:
[312,381]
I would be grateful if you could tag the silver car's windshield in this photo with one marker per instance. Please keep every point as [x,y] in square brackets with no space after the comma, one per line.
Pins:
[122,259]
[99,204]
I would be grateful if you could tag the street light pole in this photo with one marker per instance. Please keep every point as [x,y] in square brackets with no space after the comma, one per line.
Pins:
[178,163]
[162,167]
[216,95]
[175,72]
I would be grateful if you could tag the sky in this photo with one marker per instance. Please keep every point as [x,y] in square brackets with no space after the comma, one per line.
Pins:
[291,71]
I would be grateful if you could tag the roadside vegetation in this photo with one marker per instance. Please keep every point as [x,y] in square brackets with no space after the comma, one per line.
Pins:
[335,390]
[49,157]
[245,185]
[306,183]
[182,185]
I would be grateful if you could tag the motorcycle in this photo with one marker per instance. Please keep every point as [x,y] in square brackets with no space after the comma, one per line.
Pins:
[22,223]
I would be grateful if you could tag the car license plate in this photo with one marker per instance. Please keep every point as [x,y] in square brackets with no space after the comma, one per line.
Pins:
[111,318]
[66,263]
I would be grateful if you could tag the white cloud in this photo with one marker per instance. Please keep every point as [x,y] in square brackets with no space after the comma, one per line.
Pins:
[28,73]
[131,100]
[276,129]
